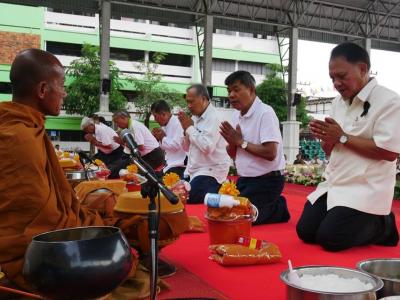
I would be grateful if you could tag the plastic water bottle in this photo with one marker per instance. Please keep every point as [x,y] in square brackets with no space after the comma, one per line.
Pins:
[219,200]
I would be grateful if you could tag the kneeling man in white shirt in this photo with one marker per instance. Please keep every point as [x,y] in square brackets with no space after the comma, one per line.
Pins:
[208,162]
[170,137]
[352,207]
[255,143]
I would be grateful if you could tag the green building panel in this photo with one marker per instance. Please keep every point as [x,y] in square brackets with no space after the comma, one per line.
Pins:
[4,74]
[157,46]
[5,97]
[21,16]
[246,56]
[63,123]
[70,37]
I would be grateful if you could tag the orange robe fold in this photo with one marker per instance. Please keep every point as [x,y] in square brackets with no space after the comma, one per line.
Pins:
[35,196]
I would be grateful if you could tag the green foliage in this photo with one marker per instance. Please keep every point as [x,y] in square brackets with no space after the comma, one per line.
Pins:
[272,92]
[83,92]
[397,190]
[150,89]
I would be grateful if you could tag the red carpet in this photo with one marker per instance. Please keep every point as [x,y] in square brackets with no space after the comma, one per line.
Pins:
[259,282]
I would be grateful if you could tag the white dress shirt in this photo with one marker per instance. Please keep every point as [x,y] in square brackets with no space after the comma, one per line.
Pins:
[172,144]
[207,148]
[358,182]
[259,125]
[142,136]
[105,135]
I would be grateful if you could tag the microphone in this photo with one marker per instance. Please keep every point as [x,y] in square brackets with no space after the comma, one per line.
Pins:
[172,198]
[127,137]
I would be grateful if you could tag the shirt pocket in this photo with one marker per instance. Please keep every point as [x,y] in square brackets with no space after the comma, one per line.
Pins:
[361,127]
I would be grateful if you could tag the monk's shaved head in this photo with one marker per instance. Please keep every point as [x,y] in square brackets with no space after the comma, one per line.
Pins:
[30,67]
[37,79]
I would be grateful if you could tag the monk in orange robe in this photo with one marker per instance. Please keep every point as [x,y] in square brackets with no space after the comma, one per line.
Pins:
[35,196]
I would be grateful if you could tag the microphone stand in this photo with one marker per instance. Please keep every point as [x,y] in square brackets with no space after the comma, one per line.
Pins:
[151,189]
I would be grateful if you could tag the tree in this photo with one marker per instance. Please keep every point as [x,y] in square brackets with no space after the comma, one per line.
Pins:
[150,89]
[83,91]
[272,92]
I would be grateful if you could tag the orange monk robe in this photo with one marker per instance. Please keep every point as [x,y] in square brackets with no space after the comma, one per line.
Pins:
[35,196]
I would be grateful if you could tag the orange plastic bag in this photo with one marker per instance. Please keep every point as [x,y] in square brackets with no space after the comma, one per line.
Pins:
[238,255]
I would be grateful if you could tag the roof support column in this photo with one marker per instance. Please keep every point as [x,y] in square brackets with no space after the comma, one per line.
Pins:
[291,128]
[367,45]
[207,55]
[105,84]
[292,82]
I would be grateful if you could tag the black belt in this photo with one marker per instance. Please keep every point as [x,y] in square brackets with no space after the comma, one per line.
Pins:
[273,174]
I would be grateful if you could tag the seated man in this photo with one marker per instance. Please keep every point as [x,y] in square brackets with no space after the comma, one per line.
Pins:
[208,162]
[255,143]
[170,137]
[352,207]
[299,160]
[35,194]
[148,146]
[102,136]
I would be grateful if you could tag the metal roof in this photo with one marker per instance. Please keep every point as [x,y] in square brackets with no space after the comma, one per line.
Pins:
[330,21]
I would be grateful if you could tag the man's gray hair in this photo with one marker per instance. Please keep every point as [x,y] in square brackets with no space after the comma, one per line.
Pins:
[121,113]
[86,121]
[200,89]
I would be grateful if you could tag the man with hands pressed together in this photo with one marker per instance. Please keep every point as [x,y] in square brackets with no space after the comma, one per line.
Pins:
[255,143]
[170,137]
[208,162]
[352,207]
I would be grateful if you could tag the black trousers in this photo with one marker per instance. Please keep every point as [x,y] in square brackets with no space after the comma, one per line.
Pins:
[155,158]
[265,193]
[341,227]
[200,186]
[112,160]
[110,157]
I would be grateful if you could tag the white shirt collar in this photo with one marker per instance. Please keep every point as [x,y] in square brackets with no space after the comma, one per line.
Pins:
[205,113]
[366,90]
[252,108]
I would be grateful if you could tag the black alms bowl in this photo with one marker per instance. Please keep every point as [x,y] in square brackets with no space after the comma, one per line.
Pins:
[78,263]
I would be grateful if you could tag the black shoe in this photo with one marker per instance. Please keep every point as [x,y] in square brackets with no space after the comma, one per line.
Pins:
[390,236]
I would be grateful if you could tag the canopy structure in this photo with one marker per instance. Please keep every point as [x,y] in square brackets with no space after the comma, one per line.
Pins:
[324,21]
[373,23]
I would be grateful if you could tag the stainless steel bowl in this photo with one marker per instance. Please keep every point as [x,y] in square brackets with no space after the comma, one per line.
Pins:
[74,177]
[387,269]
[299,293]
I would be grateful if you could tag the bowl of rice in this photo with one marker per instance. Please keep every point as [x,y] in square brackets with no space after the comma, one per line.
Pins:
[387,269]
[331,283]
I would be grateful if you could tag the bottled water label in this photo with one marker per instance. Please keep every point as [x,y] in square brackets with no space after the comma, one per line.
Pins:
[218,200]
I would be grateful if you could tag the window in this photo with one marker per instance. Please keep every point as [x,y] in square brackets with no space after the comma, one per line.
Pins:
[71,12]
[126,54]
[253,68]
[221,102]
[129,95]
[58,48]
[245,34]
[226,32]
[175,59]
[5,88]
[223,65]
[66,135]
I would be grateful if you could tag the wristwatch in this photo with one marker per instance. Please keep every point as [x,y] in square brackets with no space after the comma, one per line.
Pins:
[343,139]
[244,144]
